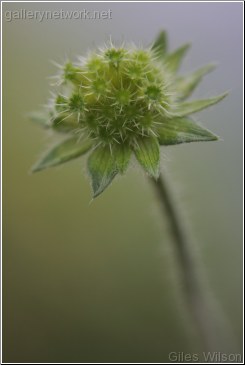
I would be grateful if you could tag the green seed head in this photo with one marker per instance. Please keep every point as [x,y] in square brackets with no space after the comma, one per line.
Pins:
[123,91]
[123,100]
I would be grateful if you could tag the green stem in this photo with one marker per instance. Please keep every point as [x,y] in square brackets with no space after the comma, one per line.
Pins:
[195,299]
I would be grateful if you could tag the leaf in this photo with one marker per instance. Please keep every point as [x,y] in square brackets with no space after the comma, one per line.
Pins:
[102,169]
[197,105]
[39,118]
[63,152]
[160,45]
[183,130]
[121,154]
[174,59]
[147,153]
[185,85]
[65,122]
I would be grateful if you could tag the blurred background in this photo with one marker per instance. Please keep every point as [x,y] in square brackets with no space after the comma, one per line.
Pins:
[98,282]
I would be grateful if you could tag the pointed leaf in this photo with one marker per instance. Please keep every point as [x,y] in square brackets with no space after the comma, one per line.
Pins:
[197,105]
[102,169]
[63,152]
[185,85]
[62,122]
[65,122]
[174,59]
[39,118]
[121,154]
[160,45]
[147,153]
[183,130]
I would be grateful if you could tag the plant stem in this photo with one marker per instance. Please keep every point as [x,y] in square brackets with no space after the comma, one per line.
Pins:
[195,299]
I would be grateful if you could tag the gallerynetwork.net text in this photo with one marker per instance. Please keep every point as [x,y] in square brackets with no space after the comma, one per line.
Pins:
[41,15]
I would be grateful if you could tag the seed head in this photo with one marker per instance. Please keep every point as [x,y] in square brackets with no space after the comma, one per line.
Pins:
[124,90]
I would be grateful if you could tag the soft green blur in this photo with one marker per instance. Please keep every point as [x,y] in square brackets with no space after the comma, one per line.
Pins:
[96,281]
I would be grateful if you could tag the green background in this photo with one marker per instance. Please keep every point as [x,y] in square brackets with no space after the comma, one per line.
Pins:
[97,282]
